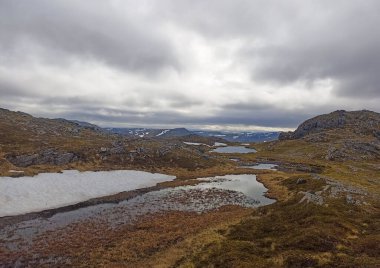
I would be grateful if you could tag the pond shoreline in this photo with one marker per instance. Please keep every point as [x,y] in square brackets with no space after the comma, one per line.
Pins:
[114,199]
[28,238]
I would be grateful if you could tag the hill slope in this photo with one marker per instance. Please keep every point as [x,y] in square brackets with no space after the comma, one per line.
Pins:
[357,122]
[341,135]
[328,209]
[40,144]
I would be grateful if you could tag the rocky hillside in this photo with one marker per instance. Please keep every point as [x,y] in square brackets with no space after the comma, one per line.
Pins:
[340,135]
[33,144]
[42,126]
[358,122]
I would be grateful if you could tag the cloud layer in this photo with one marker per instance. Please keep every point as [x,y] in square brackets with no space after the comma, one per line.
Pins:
[212,64]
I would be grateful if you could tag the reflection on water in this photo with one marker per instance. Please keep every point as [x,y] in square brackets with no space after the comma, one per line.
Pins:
[211,193]
[234,150]
[246,184]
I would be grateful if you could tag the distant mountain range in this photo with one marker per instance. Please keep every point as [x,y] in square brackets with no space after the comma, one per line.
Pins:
[240,136]
[151,132]
[180,132]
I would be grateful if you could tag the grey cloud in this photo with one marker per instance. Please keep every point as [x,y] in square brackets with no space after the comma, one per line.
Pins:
[279,43]
[265,115]
[273,118]
[284,42]
[93,111]
[338,46]
[87,108]
[249,114]
[229,19]
[83,29]
[11,90]
[153,98]
[269,117]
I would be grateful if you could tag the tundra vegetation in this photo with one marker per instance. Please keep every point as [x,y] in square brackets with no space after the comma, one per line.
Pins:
[327,188]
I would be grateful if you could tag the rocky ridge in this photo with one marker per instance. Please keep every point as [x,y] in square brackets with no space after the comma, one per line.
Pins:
[342,135]
[359,122]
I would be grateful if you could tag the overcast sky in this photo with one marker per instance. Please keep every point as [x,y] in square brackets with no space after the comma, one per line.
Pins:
[237,64]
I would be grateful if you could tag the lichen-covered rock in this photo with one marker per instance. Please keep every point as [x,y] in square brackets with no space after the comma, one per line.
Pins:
[49,156]
[354,150]
[312,197]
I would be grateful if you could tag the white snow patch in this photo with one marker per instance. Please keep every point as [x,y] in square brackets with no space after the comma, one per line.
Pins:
[51,190]
[194,143]
[219,144]
[16,171]
[162,132]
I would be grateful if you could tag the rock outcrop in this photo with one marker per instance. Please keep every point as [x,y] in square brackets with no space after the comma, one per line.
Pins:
[49,156]
[341,135]
[354,150]
[359,122]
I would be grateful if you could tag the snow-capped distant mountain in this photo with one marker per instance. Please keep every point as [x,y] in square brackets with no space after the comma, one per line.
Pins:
[150,132]
[180,132]
[240,136]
